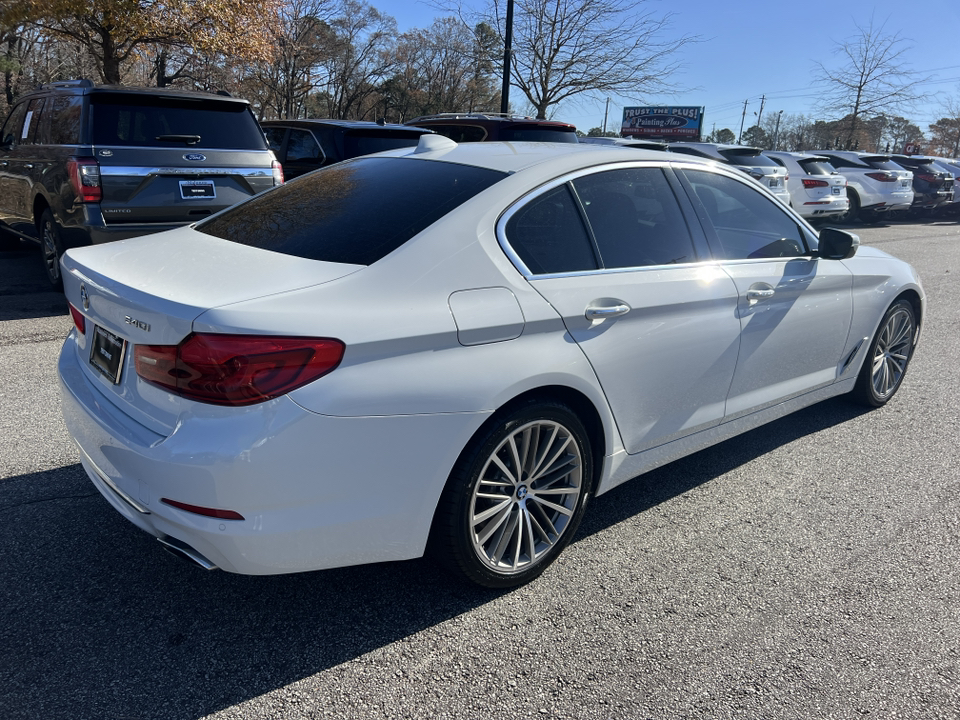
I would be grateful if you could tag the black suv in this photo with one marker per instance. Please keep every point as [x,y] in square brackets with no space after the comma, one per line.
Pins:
[483,127]
[932,186]
[305,145]
[82,164]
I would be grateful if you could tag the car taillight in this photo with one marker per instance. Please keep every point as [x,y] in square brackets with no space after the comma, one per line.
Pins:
[200,510]
[928,178]
[810,183]
[882,177]
[237,369]
[277,172]
[84,175]
[78,319]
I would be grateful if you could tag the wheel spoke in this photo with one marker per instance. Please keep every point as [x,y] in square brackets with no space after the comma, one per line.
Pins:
[543,453]
[548,466]
[503,468]
[490,512]
[553,506]
[495,524]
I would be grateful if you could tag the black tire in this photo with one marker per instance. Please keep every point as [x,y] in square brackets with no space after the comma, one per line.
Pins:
[888,356]
[51,248]
[508,534]
[853,212]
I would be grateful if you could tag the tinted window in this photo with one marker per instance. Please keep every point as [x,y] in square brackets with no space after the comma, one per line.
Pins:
[842,162]
[532,133]
[354,212]
[303,147]
[365,142]
[461,133]
[635,218]
[882,164]
[548,234]
[63,112]
[747,223]
[688,151]
[738,157]
[11,128]
[817,167]
[141,120]
[32,121]
[275,137]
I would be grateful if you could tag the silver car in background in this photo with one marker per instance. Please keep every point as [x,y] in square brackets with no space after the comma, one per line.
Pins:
[750,160]
[817,190]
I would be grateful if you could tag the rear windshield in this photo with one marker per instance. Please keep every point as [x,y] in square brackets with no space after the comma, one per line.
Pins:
[738,157]
[354,212]
[817,167]
[159,121]
[532,133]
[882,163]
[366,142]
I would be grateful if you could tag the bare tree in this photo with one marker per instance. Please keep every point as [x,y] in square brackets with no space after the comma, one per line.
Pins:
[567,48]
[871,78]
[945,132]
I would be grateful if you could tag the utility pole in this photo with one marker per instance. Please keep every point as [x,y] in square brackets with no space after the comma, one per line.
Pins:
[763,99]
[742,118]
[507,50]
[776,133]
[607,110]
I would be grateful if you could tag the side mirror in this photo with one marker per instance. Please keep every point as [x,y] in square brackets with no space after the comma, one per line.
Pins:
[836,244]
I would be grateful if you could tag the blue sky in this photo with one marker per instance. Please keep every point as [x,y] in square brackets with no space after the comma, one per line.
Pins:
[752,48]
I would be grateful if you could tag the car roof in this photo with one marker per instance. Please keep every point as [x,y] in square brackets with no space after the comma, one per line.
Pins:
[349,124]
[85,87]
[796,155]
[511,157]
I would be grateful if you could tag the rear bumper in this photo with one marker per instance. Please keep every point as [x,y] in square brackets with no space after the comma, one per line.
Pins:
[314,491]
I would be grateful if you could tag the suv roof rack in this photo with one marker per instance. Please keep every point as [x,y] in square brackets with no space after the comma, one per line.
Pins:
[81,83]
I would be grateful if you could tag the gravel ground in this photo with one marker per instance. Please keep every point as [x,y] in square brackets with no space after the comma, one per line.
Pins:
[808,569]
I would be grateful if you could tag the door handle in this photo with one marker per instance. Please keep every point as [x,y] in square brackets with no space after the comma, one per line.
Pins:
[595,312]
[760,291]
[29,166]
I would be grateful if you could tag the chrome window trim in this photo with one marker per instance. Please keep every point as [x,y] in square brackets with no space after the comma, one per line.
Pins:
[117,170]
[516,205]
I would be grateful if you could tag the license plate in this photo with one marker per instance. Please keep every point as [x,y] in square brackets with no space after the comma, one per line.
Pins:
[197,189]
[775,182]
[836,191]
[106,354]
[904,183]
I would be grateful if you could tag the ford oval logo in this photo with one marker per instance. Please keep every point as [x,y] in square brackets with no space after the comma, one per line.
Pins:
[195,157]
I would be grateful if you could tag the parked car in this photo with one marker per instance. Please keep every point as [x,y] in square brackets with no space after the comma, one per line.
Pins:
[513,329]
[951,166]
[875,184]
[86,164]
[305,145]
[817,190]
[487,127]
[750,160]
[627,142]
[932,184]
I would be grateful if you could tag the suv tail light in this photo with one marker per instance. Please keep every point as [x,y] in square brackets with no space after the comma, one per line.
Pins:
[928,178]
[277,172]
[810,183]
[84,175]
[882,177]
[237,369]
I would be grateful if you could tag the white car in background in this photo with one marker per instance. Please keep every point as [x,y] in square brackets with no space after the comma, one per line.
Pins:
[750,160]
[875,184]
[817,190]
[518,327]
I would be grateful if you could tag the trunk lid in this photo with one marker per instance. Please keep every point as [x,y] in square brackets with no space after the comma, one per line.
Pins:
[149,290]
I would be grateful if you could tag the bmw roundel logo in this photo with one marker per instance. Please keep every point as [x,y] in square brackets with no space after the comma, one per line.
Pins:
[84,298]
[195,157]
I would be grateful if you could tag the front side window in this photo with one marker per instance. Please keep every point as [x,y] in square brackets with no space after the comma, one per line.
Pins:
[32,121]
[354,212]
[748,224]
[548,234]
[11,128]
[635,218]
[303,147]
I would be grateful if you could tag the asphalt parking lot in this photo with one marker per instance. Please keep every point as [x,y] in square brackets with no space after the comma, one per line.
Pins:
[808,569]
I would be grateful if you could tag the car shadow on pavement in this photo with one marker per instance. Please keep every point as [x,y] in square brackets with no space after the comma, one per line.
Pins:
[98,622]
[24,290]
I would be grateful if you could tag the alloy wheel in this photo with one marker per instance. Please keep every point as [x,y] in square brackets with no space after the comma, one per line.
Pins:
[892,353]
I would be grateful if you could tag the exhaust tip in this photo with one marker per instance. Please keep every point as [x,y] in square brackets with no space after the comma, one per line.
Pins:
[183,551]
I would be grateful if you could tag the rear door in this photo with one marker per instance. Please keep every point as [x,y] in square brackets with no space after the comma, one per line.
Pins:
[167,159]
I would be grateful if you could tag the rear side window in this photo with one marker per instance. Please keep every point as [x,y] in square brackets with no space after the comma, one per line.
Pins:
[63,112]
[748,224]
[532,133]
[353,212]
[135,120]
[302,146]
[366,142]
[548,235]
[635,218]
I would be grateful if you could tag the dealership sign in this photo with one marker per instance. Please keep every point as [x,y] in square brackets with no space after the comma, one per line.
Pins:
[662,123]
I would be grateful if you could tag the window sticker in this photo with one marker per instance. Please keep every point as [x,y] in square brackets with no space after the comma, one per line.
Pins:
[26,125]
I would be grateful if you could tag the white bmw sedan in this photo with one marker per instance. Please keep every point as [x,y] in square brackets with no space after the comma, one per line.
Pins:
[452,348]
